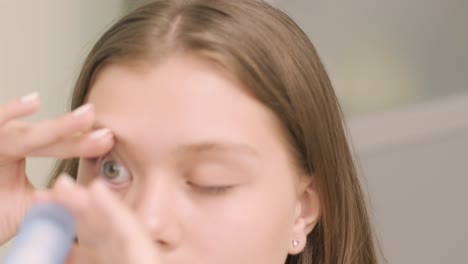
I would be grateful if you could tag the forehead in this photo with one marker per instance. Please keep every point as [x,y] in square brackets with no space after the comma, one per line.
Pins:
[182,100]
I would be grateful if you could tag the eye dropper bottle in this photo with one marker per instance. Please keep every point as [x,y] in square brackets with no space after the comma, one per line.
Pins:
[45,236]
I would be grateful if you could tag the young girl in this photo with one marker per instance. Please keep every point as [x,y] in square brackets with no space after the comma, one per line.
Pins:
[216,126]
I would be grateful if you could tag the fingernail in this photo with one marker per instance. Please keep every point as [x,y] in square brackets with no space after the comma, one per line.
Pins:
[82,109]
[30,98]
[41,196]
[65,181]
[101,133]
[101,190]
[100,187]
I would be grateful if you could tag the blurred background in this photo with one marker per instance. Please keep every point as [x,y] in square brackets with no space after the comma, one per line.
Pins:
[400,69]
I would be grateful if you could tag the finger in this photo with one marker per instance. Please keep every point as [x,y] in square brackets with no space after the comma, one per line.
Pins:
[78,201]
[80,254]
[77,254]
[87,145]
[105,224]
[50,131]
[67,193]
[91,206]
[123,229]
[17,108]
[42,196]
[19,139]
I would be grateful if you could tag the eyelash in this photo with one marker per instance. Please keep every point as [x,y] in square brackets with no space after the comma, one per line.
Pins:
[211,190]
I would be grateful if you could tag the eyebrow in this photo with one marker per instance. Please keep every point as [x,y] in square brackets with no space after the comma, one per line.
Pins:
[217,146]
[207,146]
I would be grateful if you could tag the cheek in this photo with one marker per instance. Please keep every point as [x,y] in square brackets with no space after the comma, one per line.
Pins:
[253,226]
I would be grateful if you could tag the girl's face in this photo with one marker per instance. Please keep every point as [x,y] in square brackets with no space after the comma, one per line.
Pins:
[202,164]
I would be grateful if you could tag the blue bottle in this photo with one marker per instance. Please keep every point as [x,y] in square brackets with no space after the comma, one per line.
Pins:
[45,236]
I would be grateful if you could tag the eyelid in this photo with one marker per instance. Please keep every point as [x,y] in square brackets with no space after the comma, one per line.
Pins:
[214,172]
[211,190]
[94,160]
[114,154]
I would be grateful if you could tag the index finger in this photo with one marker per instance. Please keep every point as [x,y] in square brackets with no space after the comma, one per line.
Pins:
[17,108]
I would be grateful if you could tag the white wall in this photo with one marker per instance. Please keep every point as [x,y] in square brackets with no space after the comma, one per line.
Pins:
[420,199]
[42,44]
[415,161]
[400,69]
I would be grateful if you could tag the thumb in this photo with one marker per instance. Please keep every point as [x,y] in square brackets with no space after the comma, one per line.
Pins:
[79,255]
[108,232]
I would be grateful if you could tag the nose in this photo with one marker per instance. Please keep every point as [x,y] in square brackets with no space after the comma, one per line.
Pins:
[155,205]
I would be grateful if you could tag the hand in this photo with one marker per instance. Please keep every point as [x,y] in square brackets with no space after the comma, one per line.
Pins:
[64,137]
[108,233]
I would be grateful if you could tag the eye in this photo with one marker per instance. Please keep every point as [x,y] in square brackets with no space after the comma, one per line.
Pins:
[113,172]
[210,190]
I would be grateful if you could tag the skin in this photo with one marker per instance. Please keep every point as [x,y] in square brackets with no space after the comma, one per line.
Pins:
[66,136]
[204,175]
[199,171]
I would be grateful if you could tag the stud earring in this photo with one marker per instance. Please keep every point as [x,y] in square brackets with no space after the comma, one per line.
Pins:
[295,243]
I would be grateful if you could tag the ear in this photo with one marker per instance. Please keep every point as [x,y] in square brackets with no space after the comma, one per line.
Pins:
[308,211]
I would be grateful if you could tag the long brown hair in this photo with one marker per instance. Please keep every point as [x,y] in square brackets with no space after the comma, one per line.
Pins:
[268,53]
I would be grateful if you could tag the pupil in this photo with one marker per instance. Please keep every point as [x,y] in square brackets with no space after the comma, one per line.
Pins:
[111,169]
